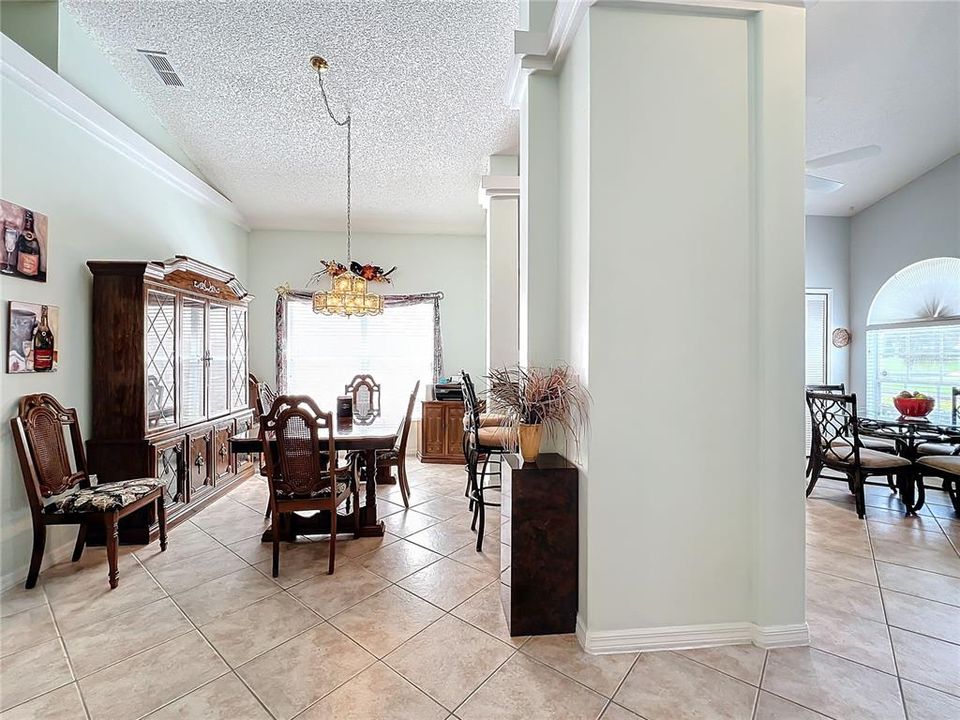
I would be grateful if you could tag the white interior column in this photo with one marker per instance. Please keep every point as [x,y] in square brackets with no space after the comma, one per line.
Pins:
[662,250]
[500,195]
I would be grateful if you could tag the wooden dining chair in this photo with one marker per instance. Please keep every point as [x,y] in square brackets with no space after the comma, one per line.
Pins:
[397,455]
[39,431]
[365,392]
[297,473]
[837,445]
[262,398]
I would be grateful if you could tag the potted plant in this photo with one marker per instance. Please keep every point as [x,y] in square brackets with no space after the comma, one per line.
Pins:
[537,398]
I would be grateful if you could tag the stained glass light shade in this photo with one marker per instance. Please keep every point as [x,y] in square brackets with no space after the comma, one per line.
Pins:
[347,296]
[927,291]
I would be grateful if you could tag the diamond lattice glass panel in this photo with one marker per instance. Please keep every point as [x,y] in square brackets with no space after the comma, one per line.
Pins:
[927,290]
[160,356]
[168,463]
[238,358]
[192,355]
[218,360]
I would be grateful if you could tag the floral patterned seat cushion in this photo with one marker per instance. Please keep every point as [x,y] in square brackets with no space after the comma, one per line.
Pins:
[322,492]
[104,498]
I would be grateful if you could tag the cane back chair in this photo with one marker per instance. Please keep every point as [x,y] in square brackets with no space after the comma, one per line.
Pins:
[39,435]
[297,471]
[365,392]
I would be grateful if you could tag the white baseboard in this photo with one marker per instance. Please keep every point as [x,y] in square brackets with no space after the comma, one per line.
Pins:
[781,636]
[59,554]
[688,637]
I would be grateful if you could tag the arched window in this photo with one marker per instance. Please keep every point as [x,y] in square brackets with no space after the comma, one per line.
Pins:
[913,335]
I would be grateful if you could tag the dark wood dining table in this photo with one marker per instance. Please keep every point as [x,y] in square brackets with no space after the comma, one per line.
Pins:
[367,437]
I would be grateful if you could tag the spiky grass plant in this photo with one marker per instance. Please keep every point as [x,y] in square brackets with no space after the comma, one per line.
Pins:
[552,397]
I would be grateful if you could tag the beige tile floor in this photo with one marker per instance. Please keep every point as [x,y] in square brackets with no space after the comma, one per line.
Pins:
[410,627]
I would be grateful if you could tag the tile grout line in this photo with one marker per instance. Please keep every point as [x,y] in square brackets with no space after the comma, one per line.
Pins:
[763,669]
[328,621]
[229,667]
[886,620]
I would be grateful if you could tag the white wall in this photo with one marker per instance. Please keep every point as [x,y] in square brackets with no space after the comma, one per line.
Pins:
[452,264]
[676,224]
[100,206]
[919,221]
[827,264]
[574,277]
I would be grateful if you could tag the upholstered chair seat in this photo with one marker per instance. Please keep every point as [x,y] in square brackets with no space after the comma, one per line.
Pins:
[936,449]
[881,444]
[873,459]
[944,463]
[103,498]
[500,437]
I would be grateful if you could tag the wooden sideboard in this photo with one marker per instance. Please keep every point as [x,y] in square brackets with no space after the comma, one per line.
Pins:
[539,551]
[441,432]
[169,384]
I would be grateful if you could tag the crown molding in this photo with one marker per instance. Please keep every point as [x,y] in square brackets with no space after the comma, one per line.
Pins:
[539,51]
[47,87]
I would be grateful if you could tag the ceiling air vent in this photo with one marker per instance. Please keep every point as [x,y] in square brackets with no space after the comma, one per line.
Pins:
[158,61]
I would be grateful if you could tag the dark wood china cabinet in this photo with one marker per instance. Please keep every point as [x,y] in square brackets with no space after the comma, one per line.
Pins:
[169,382]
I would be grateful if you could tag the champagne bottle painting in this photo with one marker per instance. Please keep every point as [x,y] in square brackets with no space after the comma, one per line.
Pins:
[23,251]
[34,340]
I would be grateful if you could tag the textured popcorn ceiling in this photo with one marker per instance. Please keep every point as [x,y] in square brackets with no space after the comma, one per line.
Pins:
[424,80]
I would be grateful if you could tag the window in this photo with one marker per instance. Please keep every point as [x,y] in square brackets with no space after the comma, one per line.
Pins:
[815,358]
[920,359]
[320,354]
[913,335]
[816,334]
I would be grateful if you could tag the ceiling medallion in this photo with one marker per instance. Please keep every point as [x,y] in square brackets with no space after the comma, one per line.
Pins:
[348,294]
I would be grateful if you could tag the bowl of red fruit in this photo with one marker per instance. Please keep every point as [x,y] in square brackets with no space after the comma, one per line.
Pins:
[914,404]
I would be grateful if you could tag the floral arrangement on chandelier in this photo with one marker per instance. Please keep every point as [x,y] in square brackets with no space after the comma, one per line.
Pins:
[348,293]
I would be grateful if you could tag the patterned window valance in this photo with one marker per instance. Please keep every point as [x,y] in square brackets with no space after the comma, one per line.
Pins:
[927,291]
[305,296]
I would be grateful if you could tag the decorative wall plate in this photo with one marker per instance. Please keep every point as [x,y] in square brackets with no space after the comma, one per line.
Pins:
[841,338]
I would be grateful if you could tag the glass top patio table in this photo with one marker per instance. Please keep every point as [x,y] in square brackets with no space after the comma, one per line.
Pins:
[938,427]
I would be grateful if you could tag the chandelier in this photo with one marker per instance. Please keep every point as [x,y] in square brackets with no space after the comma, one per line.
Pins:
[348,294]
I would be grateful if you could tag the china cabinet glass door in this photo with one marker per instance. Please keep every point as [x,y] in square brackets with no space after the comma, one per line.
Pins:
[218,363]
[193,357]
[161,360]
[239,391]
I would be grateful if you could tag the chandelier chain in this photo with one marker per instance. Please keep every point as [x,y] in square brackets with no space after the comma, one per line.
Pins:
[341,123]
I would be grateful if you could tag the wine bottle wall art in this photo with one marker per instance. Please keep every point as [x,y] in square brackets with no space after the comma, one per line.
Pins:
[33,343]
[23,250]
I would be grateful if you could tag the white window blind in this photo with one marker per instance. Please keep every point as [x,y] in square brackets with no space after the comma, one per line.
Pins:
[816,333]
[323,353]
[922,358]
[815,360]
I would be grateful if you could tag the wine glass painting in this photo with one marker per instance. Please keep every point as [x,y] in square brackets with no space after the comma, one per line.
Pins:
[23,250]
[34,338]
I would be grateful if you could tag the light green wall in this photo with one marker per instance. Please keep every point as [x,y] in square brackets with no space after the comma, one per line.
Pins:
[452,264]
[100,206]
[84,65]
[33,26]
